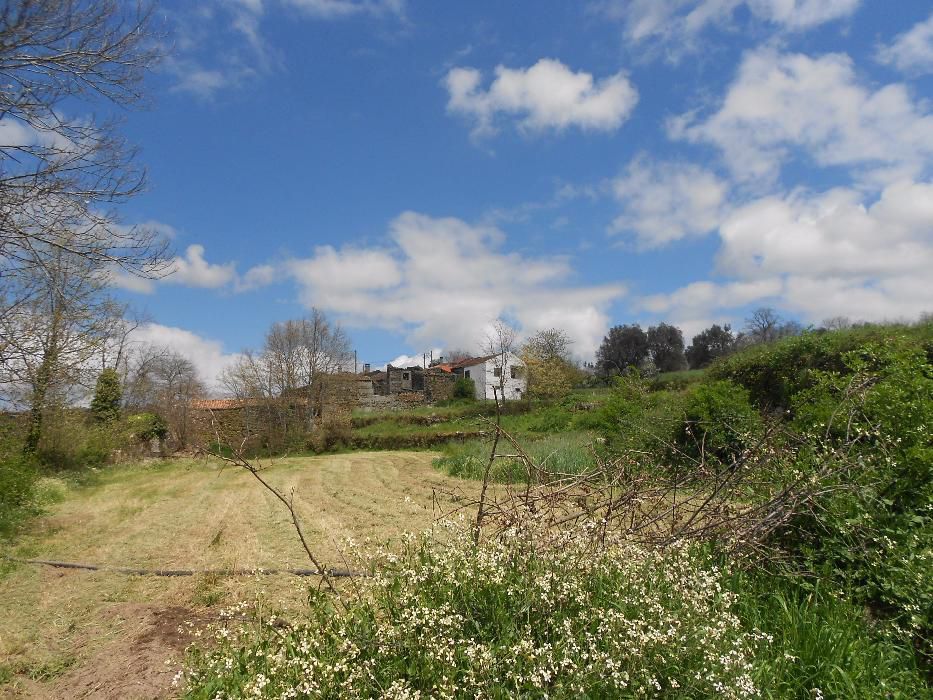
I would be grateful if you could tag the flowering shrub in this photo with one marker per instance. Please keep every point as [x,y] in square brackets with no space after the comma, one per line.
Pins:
[504,619]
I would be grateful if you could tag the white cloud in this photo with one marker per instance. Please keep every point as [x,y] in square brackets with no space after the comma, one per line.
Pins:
[335,9]
[548,95]
[201,81]
[443,280]
[682,20]
[193,270]
[120,279]
[785,105]
[347,271]
[207,355]
[666,201]
[700,297]
[912,51]
[255,277]
[412,360]
[220,44]
[821,255]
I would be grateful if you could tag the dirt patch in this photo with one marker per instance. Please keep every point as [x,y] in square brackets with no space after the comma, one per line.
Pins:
[133,663]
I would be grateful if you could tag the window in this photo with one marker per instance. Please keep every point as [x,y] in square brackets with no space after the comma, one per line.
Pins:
[497,371]
[405,375]
[467,374]
[516,372]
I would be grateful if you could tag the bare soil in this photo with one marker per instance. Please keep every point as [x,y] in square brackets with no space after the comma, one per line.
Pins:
[99,634]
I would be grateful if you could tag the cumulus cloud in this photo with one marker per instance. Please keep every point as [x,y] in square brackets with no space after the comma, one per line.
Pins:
[208,356]
[912,51]
[255,277]
[821,255]
[442,280]
[193,270]
[413,360]
[786,105]
[548,95]
[666,201]
[682,20]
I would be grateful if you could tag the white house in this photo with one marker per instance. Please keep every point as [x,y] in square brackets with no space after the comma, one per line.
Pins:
[487,373]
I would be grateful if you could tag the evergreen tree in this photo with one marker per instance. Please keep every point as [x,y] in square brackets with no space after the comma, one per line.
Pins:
[108,395]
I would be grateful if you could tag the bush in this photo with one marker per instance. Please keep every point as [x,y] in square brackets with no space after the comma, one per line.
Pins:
[70,443]
[332,431]
[505,619]
[719,421]
[873,534]
[19,499]
[634,419]
[108,395]
[775,372]
[143,427]
[464,388]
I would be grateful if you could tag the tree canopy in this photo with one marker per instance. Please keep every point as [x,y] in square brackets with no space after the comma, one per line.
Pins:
[623,347]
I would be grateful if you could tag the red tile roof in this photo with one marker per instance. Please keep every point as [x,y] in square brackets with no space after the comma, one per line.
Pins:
[469,362]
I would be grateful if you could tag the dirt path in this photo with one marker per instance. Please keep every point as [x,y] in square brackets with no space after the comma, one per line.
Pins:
[76,634]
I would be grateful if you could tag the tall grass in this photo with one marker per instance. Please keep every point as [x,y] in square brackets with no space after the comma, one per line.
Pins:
[567,453]
[821,644]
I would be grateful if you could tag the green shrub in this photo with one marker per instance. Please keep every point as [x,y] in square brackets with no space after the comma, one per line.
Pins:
[108,395]
[332,431]
[505,619]
[19,498]
[873,534]
[635,419]
[464,389]
[146,426]
[550,419]
[719,421]
[773,373]
[69,442]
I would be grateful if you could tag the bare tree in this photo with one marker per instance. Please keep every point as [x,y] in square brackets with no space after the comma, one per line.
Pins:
[164,382]
[61,171]
[283,385]
[298,352]
[766,326]
[53,335]
[500,343]
[456,355]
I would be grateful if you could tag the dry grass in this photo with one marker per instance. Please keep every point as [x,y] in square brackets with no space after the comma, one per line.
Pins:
[62,632]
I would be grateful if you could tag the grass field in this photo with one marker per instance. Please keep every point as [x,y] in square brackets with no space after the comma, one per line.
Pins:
[68,633]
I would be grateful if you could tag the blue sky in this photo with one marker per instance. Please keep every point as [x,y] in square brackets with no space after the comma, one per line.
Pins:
[415,169]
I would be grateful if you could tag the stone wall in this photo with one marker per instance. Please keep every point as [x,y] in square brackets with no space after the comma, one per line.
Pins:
[439,385]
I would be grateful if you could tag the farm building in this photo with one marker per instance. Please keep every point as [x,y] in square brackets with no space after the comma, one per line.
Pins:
[492,372]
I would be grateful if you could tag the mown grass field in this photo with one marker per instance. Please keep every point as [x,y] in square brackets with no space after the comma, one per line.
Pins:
[68,633]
